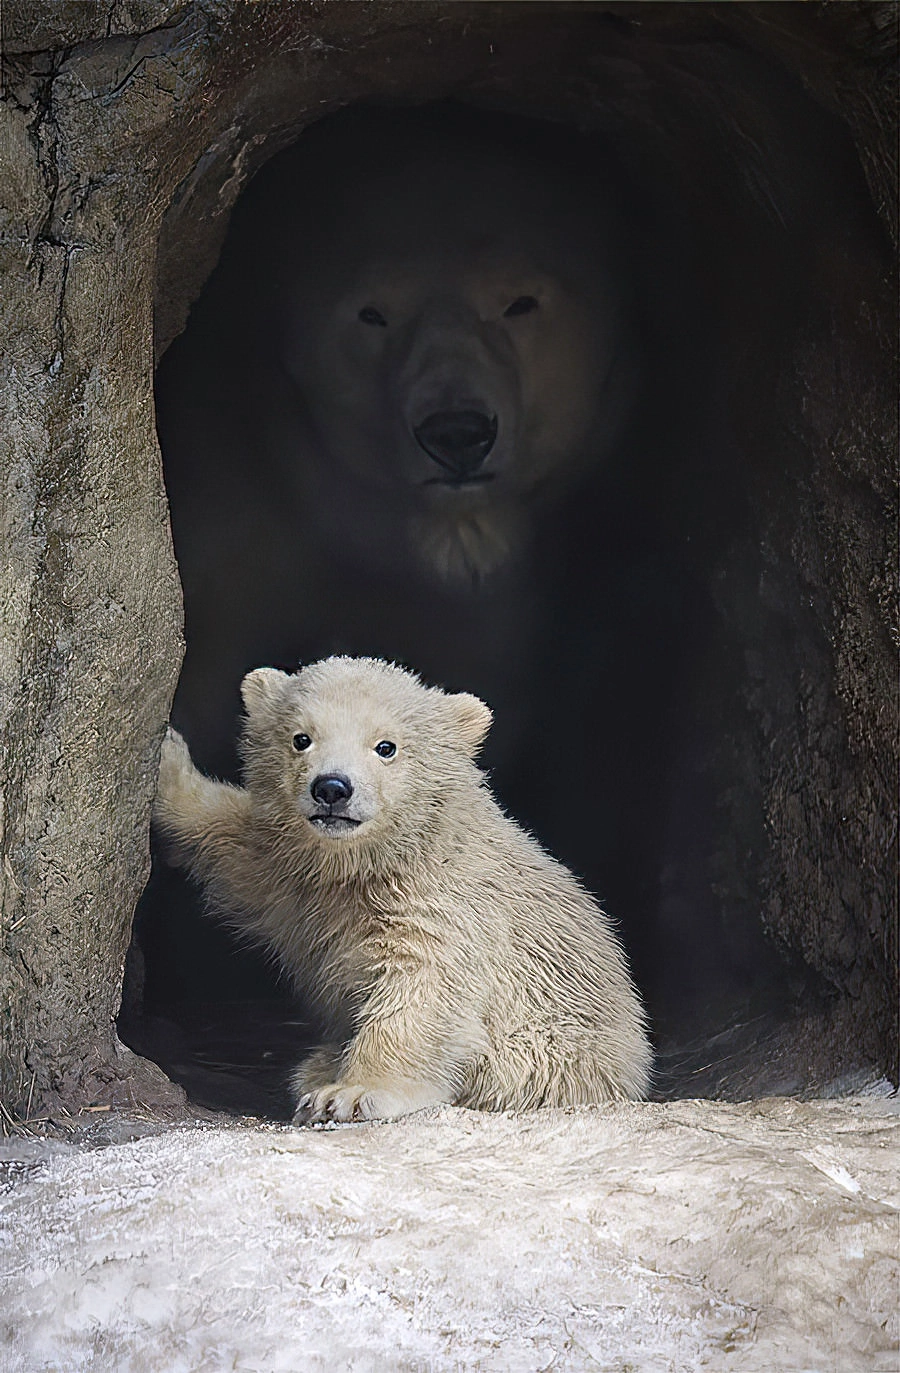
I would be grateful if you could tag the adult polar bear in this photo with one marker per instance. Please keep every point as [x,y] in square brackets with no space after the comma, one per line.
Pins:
[419,338]
[449,303]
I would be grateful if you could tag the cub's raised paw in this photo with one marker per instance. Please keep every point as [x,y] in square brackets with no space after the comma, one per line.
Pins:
[354,1101]
[174,762]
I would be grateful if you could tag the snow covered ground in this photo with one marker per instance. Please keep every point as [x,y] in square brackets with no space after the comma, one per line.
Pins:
[677,1236]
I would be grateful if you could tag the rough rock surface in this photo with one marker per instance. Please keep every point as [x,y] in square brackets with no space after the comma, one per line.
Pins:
[646,1237]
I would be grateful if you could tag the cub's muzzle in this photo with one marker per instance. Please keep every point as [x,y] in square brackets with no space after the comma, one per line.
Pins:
[331,792]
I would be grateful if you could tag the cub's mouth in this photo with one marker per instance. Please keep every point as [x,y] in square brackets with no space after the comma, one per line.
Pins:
[333,825]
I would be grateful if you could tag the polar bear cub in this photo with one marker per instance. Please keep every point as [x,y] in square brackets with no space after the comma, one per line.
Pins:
[449,957]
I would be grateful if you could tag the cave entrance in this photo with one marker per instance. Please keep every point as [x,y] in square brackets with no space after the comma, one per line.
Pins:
[656,650]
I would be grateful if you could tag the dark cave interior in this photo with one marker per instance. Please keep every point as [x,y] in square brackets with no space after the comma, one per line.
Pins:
[631,646]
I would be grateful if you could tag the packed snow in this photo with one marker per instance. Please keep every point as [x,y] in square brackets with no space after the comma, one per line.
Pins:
[647,1237]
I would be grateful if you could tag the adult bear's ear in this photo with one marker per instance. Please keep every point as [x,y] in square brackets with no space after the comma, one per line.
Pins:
[472,719]
[262,687]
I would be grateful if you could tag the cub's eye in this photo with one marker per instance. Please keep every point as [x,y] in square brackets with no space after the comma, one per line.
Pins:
[385,749]
[369,315]
[301,742]
[522,305]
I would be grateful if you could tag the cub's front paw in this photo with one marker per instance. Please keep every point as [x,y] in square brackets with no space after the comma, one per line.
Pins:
[331,1102]
[343,1101]
[175,766]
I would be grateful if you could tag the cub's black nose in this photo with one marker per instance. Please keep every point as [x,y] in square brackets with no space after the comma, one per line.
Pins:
[457,440]
[330,788]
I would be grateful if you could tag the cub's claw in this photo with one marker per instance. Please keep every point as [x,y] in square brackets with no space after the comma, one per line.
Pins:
[358,1101]
[333,1103]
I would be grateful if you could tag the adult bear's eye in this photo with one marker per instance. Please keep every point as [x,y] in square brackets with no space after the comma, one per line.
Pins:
[522,305]
[385,749]
[369,315]
[301,742]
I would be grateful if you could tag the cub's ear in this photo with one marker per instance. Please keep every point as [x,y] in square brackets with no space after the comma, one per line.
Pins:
[472,719]
[262,687]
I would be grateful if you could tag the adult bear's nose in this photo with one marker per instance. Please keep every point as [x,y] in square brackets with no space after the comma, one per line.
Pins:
[459,441]
[331,787]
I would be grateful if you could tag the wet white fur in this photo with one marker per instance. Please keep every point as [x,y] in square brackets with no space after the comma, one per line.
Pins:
[450,957]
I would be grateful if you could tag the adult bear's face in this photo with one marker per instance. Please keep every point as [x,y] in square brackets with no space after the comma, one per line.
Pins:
[458,338]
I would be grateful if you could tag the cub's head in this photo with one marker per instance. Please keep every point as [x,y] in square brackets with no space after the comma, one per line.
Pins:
[357,752]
